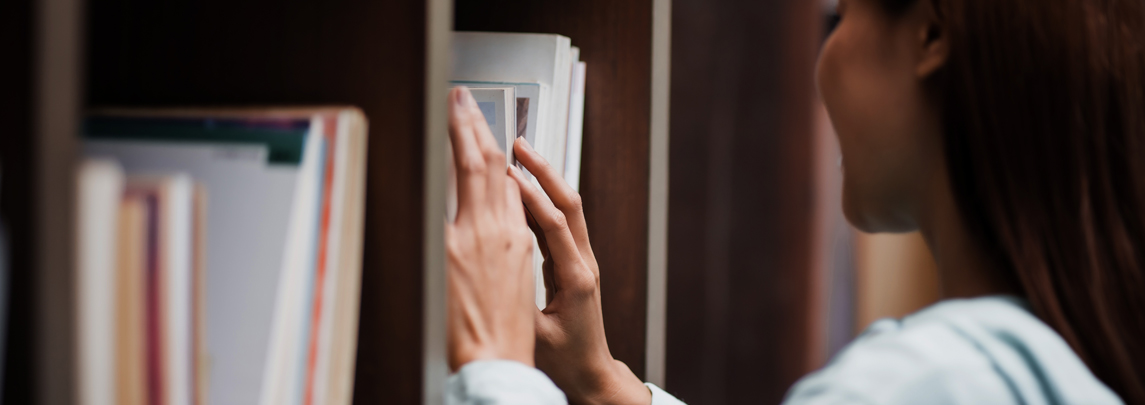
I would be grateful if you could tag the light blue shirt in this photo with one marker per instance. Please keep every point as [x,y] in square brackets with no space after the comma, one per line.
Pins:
[989,350]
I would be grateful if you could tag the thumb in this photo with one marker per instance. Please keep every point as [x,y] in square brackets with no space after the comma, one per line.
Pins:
[546,327]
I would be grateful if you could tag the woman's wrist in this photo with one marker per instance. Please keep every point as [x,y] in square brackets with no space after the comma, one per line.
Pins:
[465,352]
[614,384]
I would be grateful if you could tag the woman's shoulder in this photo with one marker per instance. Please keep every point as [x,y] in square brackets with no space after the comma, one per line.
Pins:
[982,350]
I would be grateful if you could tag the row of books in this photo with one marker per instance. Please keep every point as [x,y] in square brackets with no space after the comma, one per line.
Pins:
[531,86]
[219,255]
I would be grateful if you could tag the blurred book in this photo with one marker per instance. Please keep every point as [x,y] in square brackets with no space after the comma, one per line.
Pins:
[99,188]
[169,302]
[548,78]
[246,227]
[576,125]
[134,252]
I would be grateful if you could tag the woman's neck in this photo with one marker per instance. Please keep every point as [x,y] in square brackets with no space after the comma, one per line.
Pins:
[965,268]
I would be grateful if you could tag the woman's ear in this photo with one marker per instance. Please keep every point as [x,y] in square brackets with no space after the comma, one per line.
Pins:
[934,43]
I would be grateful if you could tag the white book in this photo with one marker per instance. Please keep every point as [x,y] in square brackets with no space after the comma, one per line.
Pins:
[99,190]
[338,332]
[175,195]
[498,105]
[282,379]
[179,285]
[576,126]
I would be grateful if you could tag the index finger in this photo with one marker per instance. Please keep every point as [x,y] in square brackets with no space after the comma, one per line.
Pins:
[563,196]
[469,163]
[494,158]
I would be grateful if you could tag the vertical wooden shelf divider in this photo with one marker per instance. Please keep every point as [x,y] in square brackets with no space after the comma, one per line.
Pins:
[40,98]
[439,16]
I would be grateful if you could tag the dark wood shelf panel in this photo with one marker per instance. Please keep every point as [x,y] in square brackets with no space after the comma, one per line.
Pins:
[742,200]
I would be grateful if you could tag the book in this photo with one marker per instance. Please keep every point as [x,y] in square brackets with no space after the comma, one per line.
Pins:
[331,373]
[576,126]
[169,290]
[498,105]
[98,191]
[281,381]
[130,290]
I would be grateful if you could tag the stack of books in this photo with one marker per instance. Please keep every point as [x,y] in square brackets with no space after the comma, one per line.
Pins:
[220,255]
[530,86]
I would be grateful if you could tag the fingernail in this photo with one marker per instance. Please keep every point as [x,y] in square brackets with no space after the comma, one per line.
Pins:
[462,96]
[470,101]
[527,146]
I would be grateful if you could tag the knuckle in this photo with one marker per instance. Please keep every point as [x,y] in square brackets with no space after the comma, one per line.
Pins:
[473,166]
[484,226]
[575,202]
[584,283]
[558,222]
[493,155]
[454,248]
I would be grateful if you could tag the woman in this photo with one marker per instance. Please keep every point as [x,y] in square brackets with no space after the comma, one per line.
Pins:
[1007,131]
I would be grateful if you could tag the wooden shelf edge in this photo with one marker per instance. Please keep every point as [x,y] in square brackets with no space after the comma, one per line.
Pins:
[655,337]
[439,31]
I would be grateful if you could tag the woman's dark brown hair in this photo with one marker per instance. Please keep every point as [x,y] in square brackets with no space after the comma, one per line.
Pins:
[1044,110]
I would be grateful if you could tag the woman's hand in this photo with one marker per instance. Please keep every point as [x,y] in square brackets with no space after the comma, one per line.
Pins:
[571,347]
[491,306]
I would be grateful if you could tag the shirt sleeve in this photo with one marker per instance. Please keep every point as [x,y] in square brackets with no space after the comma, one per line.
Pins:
[501,382]
[924,364]
[659,397]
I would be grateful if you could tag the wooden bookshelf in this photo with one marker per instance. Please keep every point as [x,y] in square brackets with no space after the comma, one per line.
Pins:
[389,58]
